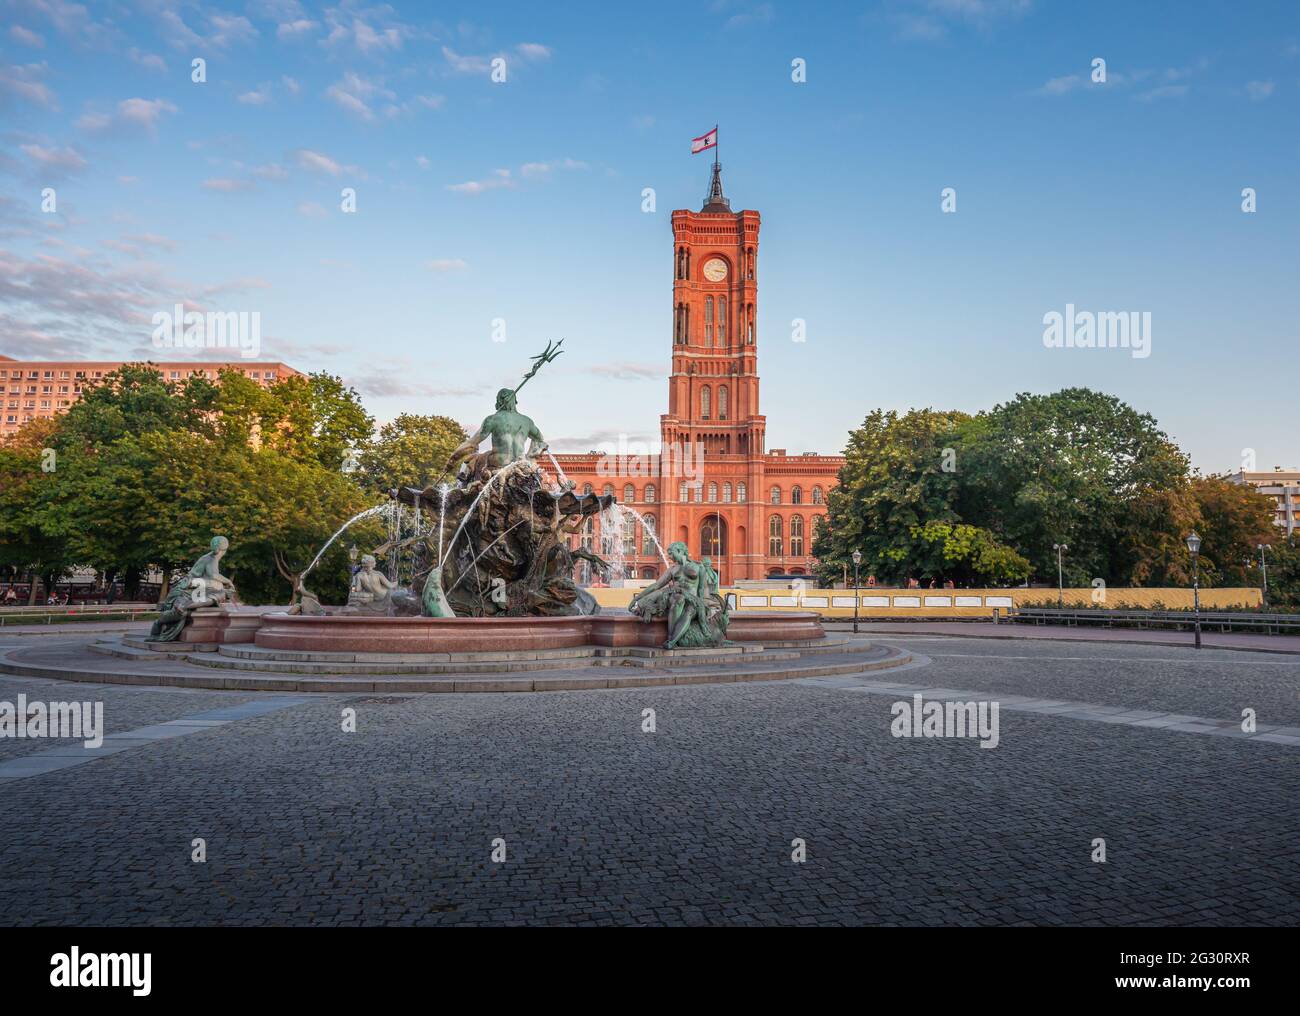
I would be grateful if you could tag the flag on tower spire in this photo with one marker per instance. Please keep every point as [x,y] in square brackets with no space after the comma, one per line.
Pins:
[705,141]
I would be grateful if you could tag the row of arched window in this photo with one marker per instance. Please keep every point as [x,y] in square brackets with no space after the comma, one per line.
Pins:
[796,495]
[776,536]
[650,494]
[695,491]
[723,493]
[715,324]
[647,527]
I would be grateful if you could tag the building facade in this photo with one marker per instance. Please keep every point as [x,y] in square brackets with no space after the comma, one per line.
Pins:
[1283,486]
[30,389]
[715,485]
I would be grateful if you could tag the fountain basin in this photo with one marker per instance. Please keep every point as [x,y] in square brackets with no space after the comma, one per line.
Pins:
[345,633]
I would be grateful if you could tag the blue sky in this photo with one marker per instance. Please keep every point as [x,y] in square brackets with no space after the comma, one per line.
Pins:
[521,200]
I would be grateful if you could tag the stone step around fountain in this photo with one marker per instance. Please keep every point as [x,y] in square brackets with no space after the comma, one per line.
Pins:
[256,659]
[168,672]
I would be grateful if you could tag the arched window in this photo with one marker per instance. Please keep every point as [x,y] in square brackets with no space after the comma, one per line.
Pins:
[682,495]
[699,492]
[705,400]
[588,533]
[776,495]
[726,493]
[722,321]
[647,535]
[796,495]
[586,488]
[774,536]
[713,493]
[629,493]
[649,493]
[608,489]
[796,536]
[708,320]
[722,402]
[740,493]
[818,496]
[629,537]
[713,539]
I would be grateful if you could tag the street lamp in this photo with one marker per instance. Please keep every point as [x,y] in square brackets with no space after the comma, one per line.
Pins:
[1060,548]
[1264,566]
[1194,545]
[857,560]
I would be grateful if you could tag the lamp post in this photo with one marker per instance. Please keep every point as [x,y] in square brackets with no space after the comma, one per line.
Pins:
[1194,545]
[1060,548]
[1263,564]
[857,560]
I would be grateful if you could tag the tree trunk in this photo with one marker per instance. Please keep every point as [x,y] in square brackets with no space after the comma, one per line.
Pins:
[31,596]
[166,585]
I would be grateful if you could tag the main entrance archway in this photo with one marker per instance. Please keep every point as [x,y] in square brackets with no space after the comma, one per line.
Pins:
[713,544]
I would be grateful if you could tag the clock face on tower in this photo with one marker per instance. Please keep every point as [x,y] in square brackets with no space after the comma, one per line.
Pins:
[715,269]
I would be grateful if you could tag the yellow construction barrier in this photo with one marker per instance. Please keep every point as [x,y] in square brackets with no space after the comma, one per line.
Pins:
[894,603]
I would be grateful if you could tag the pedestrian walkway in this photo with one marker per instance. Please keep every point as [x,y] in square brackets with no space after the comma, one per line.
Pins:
[1080,633]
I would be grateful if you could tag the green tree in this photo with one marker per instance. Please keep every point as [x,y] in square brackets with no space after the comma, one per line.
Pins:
[315,417]
[28,484]
[150,471]
[1075,467]
[1235,519]
[1283,571]
[409,452]
[897,476]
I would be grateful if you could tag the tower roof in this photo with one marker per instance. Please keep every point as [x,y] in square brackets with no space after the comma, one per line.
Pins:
[716,200]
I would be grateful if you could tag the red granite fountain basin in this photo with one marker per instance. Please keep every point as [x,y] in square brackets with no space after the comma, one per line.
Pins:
[344,633]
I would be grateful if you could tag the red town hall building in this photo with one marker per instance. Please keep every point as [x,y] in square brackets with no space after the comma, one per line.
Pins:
[715,485]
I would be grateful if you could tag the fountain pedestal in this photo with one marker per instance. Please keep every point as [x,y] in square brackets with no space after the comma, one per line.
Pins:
[222,625]
[439,635]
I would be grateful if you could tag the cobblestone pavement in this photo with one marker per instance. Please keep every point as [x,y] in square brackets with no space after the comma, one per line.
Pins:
[603,823]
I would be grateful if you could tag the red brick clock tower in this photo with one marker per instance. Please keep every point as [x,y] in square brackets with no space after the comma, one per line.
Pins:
[715,486]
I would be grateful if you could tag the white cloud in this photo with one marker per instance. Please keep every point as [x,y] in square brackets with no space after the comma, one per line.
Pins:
[762,14]
[371,31]
[459,64]
[533,51]
[354,93]
[1061,85]
[504,179]
[152,61]
[66,159]
[1259,90]
[27,37]
[23,81]
[319,162]
[131,114]
[293,30]
[226,185]
[259,96]
[291,85]
[312,210]
[931,20]
[223,30]
[446,265]
[72,20]
[500,178]
[627,371]
[1163,92]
